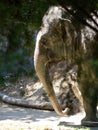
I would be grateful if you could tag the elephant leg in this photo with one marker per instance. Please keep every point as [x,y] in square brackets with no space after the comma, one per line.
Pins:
[90,107]
[89,89]
[43,73]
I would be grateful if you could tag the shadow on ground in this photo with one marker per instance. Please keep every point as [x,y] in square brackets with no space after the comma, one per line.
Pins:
[71,124]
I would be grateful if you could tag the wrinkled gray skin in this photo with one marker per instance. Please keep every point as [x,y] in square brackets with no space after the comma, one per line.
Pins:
[57,41]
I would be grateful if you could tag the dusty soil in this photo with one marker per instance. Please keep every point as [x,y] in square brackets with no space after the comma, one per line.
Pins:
[18,118]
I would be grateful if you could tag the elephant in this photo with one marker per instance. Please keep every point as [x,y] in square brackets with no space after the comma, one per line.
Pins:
[56,41]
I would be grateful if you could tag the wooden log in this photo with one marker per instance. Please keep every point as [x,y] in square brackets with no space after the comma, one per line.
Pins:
[26,103]
[29,103]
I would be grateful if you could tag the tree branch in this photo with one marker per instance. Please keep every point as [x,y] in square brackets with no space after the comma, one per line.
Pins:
[79,18]
[95,13]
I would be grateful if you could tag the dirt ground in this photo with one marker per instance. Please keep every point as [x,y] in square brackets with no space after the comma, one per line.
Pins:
[19,118]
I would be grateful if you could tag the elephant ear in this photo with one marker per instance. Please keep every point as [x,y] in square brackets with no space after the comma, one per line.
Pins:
[69,38]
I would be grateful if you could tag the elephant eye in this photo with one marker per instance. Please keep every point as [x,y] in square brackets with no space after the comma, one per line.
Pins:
[44,41]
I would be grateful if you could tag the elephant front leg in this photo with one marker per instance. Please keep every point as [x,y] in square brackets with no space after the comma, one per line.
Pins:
[90,107]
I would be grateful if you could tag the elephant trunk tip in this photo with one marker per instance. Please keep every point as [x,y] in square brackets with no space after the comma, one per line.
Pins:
[63,112]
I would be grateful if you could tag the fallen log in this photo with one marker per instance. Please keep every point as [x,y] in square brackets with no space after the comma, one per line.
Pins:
[28,103]
[25,103]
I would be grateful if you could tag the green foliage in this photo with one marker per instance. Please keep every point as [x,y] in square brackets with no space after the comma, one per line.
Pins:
[1,82]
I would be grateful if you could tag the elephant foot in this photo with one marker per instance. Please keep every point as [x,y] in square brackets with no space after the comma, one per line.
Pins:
[88,122]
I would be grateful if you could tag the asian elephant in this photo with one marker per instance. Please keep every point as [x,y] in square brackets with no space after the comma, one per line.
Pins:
[56,41]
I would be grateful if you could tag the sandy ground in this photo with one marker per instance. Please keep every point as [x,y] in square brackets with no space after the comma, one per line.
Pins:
[18,118]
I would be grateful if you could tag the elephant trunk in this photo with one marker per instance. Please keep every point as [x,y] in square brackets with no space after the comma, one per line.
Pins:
[43,74]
